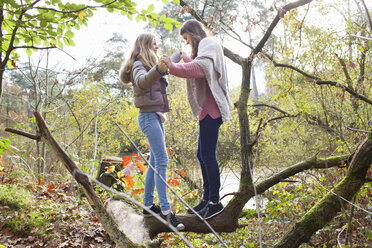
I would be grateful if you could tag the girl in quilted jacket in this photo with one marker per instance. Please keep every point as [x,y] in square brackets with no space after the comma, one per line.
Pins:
[146,74]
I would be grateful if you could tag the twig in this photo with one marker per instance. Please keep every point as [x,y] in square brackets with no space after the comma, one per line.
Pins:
[22,133]
[232,193]
[358,130]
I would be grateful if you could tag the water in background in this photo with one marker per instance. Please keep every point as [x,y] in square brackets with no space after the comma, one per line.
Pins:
[230,183]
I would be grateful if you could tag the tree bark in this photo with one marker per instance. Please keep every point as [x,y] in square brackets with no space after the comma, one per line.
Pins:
[105,218]
[327,208]
[227,221]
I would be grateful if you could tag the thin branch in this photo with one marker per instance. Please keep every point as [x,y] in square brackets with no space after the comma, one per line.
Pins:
[358,130]
[319,81]
[232,193]
[22,133]
[360,37]
[344,68]
[312,163]
[78,10]
[276,20]
[270,106]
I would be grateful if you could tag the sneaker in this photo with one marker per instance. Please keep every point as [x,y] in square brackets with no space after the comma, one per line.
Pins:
[198,207]
[211,210]
[172,219]
[154,208]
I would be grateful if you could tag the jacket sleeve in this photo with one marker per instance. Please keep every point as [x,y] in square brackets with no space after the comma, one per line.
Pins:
[142,78]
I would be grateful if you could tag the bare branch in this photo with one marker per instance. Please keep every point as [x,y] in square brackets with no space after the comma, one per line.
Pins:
[358,130]
[270,106]
[22,133]
[276,20]
[319,81]
[312,163]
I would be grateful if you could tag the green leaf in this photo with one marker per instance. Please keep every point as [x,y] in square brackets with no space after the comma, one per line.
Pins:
[69,34]
[68,42]
[37,41]
[16,41]
[130,16]
[59,44]
[176,2]
[165,1]
[154,15]
[9,64]
[151,8]
[29,52]
[168,26]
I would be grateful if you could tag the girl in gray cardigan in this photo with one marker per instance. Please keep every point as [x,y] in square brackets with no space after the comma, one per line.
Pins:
[149,86]
[209,100]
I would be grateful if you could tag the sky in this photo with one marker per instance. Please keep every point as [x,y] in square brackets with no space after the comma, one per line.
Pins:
[90,41]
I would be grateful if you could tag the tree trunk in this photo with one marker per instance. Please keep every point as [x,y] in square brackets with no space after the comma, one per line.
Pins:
[105,218]
[327,208]
[227,221]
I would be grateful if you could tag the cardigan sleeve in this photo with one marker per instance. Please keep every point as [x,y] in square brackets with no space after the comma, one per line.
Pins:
[186,59]
[187,70]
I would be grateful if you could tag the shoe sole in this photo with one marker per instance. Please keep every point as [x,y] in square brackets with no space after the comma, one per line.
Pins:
[149,215]
[213,215]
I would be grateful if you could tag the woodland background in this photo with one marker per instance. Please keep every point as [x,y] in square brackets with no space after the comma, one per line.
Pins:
[316,105]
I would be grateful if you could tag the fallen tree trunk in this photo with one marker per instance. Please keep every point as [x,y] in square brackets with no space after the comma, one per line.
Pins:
[228,220]
[105,218]
[327,208]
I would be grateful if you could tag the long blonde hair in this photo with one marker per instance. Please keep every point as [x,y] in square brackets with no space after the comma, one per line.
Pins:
[142,51]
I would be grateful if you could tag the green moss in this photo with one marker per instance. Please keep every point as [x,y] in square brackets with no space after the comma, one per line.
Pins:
[15,197]
[28,217]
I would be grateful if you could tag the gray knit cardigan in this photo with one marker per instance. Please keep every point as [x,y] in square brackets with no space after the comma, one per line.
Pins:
[211,60]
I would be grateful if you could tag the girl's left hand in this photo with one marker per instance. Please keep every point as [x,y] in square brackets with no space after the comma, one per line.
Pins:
[166,59]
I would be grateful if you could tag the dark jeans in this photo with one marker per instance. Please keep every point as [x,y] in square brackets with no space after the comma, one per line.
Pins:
[208,136]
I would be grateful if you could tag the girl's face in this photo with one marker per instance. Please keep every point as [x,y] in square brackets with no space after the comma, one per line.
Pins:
[187,37]
[154,46]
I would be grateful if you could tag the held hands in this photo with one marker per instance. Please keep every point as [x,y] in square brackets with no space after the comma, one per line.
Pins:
[166,60]
[162,67]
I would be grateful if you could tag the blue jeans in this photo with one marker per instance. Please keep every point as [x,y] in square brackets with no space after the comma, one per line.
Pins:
[206,153]
[153,128]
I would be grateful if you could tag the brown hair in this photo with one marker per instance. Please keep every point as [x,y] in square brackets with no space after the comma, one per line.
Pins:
[142,50]
[197,32]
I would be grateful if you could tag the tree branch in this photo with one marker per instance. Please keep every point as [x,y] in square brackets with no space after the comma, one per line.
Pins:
[327,208]
[276,20]
[22,133]
[312,163]
[319,81]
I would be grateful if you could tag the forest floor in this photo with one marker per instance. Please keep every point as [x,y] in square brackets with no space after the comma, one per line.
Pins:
[70,223]
[58,216]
